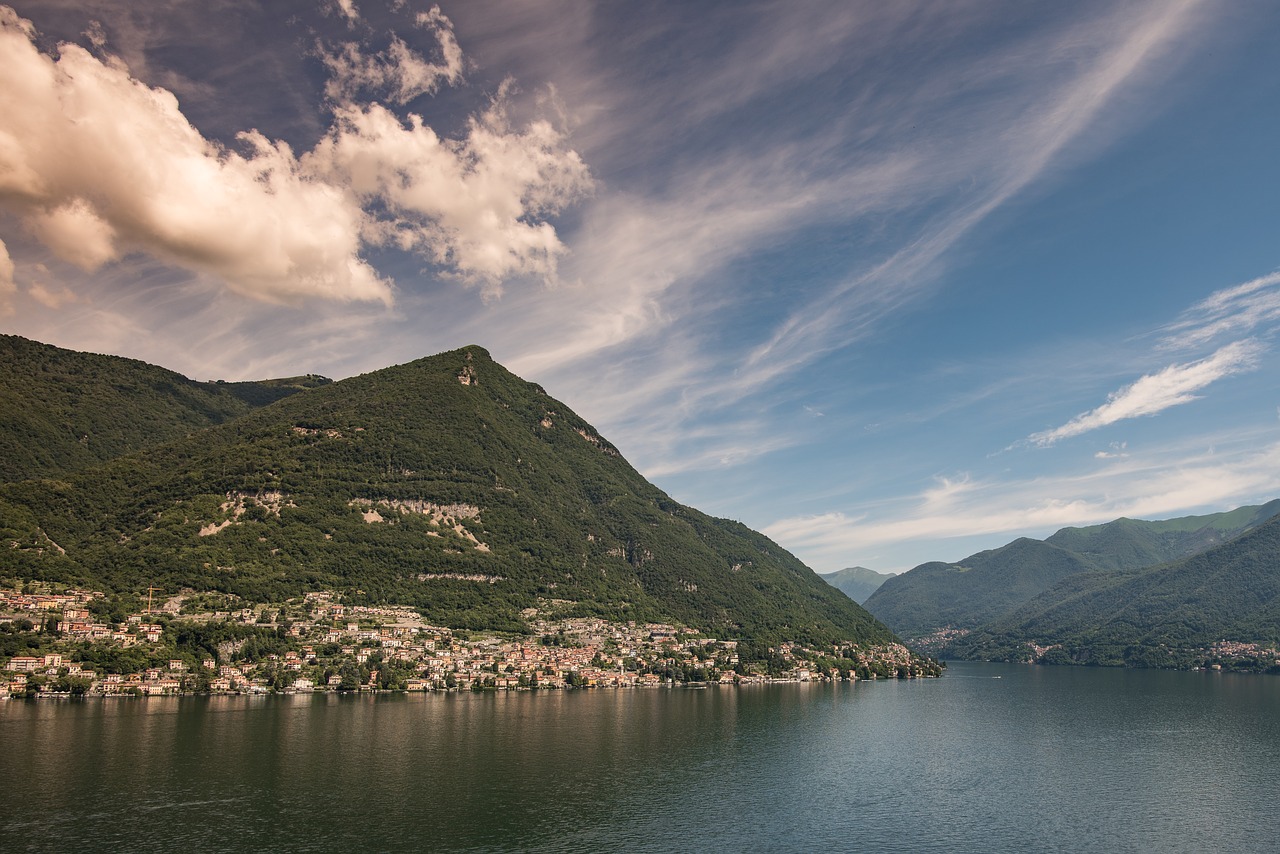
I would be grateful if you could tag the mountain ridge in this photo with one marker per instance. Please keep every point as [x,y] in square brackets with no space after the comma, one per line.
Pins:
[957,597]
[1174,614]
[856,582]
[448,484]
[63,410]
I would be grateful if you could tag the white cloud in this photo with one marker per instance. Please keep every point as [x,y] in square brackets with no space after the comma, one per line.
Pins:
[1154,393]
[400,72]
[1236,310]
[7,286]
[51,298]
[1118,451]
[76,233]
[96,35]
[469,204]
[97,165]
[348,10]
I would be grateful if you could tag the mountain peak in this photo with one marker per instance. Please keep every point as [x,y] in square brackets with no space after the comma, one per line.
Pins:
[448,484]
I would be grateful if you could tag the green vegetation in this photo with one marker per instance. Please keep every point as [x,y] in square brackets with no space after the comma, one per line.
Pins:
[62,411]
[448,484]
[973,591]
[263,392]
[990,585]
[1222,605]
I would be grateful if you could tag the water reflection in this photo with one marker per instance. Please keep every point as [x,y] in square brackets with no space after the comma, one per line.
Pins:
[1043,758]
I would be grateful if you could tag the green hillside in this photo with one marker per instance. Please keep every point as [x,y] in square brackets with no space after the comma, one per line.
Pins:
[963,596]
[61,411]
[262,392]
[856,582]
[1170,615]
[1131,543]
[448,484]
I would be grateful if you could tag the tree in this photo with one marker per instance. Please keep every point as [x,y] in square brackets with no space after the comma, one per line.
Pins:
[350,676]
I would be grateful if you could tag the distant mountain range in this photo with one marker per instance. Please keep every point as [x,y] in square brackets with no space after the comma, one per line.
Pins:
[856,582]
[1127,592]
[448,484]
[1219,600]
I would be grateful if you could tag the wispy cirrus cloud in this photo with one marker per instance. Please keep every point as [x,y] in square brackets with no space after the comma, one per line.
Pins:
[1109,56]
[653,266]
[1149,395]
[1236,310]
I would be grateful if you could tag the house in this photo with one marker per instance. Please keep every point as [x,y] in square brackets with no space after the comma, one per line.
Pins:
[161,687]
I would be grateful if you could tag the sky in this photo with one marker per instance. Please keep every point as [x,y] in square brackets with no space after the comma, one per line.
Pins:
[890,282]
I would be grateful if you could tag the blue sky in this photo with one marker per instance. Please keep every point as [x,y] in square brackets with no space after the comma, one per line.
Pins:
[891,282]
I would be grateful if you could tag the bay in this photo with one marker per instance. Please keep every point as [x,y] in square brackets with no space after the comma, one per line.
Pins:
[1000,758]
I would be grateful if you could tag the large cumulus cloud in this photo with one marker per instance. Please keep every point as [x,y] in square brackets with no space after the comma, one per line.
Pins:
[95,164]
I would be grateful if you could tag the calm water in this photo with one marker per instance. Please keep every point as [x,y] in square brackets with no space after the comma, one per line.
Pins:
[1039,759]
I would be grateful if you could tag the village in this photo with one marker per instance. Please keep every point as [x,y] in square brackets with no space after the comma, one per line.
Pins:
[317,643]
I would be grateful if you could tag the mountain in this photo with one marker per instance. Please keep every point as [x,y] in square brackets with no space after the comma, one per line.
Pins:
[1175,614]
[965,595]
[958,597]
[448,484]
[856,582]
[62,411]
[1132,543]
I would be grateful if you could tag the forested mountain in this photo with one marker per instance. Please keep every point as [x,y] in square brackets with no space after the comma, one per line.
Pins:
[965,595]
[856,582]
[61,411]
[986,586]
[1167,615]
[1133,543]
[448,484]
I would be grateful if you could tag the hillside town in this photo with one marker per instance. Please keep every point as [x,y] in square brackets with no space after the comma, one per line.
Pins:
[63,644]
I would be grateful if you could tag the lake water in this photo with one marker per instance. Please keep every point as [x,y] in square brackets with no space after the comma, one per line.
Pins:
[990,758]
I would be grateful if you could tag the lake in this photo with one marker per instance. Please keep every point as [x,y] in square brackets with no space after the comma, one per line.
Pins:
[991,758]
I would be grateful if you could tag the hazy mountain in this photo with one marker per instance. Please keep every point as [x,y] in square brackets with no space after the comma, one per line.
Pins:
[979,588]
[1156,616]
[985,586]
[856,582]
[1131,543]
[448,483]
